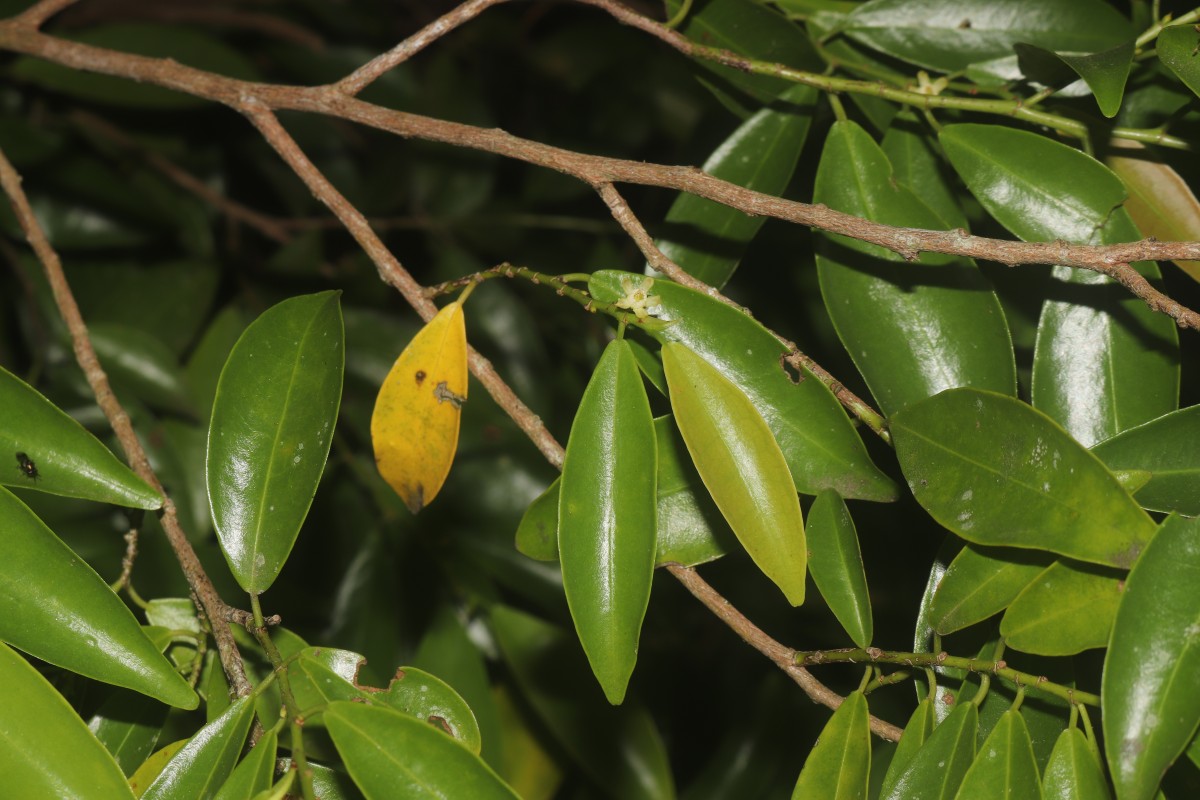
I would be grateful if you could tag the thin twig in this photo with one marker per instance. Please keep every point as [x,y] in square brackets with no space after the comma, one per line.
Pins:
[118,419]
[783,656]
[362,77]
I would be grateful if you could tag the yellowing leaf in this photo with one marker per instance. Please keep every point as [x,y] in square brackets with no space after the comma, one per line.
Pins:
[1160,201]
[415,424]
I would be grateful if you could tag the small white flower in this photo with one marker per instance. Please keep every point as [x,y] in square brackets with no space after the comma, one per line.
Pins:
[638,298]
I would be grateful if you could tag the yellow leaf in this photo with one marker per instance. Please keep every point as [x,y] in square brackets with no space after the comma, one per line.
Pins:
[1160,201]
[415,424]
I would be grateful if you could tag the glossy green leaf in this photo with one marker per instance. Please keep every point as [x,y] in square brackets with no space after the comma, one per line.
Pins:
[835,560]
[428,698]
[937,769]
[649,364]
[1104,362]
[822,449]
[1005,767]
[919,167]
[208,759]
[996,472]
[54,606]
[391,755]
[45,749]
[948,35]
[690,528]
[1151,688]
[839,765]
[708,239]
[740,463]
[1176,48]
[618,747]
[916,732]
[254,774]
[272,424]
[1105,72]
[607,517]
[980,582]
[903,323]
[153,766]
[329,783]
[1067,609]
[1074,772]
[128,725]
[752,30]
[60,456]
[1165,449]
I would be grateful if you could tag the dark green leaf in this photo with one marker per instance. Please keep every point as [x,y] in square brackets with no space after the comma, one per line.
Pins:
[708,239]
[618,747]
[391,755]
[254,774]
[836,564]
[839,765]
[903,322]
[1074,772]
[607,517]
[948,35]
[1005,767]
[1105,73]
[49,451]
[54,606]
[1151,690]
[1067,609]
[128,725]
[980,582]
[821,447]
[1177,49]
[272,424]
[45,749]
[919,167]
[742,466]
[207,760]
[142,365]
[937,769]
[997,472]
[1163,448]
[916,732]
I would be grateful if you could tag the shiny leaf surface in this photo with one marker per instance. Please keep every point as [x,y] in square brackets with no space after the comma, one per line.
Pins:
[937,769]
[839,765]
[50,452]
[980,582]
[391,756]
[902,321]
[1005,767]
[1164,449]
[1176,48]
[128,725]
[996,472]
[254,774]
[1151,688]
[208,758]
[916,732]
[414,426]
[741,465]
[822,449]
[54,606]
[1067,609]
[835,561]
[1074,772]
[272,424]
[45,749]
[607,517]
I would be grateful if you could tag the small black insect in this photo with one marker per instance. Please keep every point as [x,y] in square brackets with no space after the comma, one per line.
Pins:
[27,466]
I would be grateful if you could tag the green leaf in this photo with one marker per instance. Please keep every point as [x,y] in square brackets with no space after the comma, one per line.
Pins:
[996,472]
[937,769]
[60,457]
[617,746]
[1105,72]
[948,35]
[903,323]
[1164,448]
[128,725]
[1067,609]
[918,165]
[1005,767]
[980,582]
[426,697]
[54,606]
[1176,48]
[607,517]
[1104,362]
[740,463]
[836,564]
[208,758]
[1074,773]
[839,765]
[822,449]
[45,749]
[919,728]
[272,424]
[143,366]
[1151,689]
[254,774]
[707,238]
[391,755]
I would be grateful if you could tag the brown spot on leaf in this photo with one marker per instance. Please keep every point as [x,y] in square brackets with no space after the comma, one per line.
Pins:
[444,395]
[420,376]
[440,722]
[415,499]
